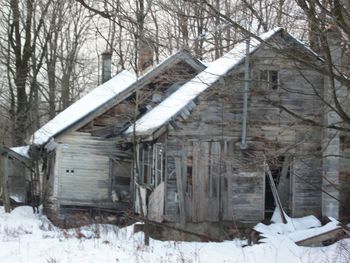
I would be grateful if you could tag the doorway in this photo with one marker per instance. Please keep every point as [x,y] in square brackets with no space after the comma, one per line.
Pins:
[280,168]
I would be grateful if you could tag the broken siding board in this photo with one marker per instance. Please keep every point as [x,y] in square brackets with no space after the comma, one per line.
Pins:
[200,179]
[180,189]
[156,204]
[195,183]
[171,202]
[228,171]
[214,205]
[171,208]
[188,181]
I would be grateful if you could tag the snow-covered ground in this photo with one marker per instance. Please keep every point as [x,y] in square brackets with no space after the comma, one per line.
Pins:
[27,237]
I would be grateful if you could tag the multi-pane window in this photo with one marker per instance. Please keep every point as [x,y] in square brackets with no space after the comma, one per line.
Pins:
[151,160]
[269,79]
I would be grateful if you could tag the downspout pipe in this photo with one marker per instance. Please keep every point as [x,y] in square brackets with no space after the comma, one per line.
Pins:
[245,97]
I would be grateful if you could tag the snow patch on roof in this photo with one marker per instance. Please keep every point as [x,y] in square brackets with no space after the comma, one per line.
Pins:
[81,108]
[22,151]
[190,90]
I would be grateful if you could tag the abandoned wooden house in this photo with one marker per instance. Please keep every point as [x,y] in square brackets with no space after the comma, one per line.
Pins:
[204,152]
[83,164]
[185,143]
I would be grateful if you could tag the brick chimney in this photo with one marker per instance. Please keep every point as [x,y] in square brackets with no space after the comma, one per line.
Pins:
[106,69]
[145,59]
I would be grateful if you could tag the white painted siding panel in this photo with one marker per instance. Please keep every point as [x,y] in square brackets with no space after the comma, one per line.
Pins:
[84,171]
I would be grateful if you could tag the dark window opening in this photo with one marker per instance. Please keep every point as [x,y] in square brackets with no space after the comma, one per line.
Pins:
[225,184]
[189,181]
[269,79]
[273,79]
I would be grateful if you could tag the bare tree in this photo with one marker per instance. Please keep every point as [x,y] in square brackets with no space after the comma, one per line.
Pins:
[24,49]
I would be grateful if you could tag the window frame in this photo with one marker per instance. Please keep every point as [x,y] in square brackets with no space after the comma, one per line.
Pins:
[268,81]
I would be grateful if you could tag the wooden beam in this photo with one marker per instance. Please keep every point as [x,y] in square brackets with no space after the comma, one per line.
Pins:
[317,240]
[283,186]
[275,193]
[180,190]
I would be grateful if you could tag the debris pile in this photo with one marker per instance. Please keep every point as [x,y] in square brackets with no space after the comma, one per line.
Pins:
[305,231]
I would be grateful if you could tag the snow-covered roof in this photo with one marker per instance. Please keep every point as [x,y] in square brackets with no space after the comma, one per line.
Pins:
[22,151]
[104,93]
[83,107]
[190,90]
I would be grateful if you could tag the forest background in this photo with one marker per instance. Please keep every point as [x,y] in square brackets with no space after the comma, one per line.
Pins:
[50,49]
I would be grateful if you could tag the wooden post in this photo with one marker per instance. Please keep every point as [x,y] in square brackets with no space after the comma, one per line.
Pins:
[275,193]
[180,191]
[283,186]
[5,184]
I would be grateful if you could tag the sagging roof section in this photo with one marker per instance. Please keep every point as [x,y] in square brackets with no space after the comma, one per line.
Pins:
[105,96]
[20,153]
[83,107]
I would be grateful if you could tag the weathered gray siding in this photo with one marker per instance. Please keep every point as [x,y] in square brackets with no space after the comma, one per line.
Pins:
[211,136]
[217,187]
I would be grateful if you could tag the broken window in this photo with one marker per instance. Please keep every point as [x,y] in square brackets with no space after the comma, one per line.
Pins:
[158,153]
[146,163]
[269,79]
[152,164]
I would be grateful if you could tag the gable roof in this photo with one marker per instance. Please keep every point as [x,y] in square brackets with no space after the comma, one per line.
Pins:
[20,153]
[83,107]
[106,96]
[182,98]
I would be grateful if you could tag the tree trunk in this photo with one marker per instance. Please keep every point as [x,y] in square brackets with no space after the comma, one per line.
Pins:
[5,183]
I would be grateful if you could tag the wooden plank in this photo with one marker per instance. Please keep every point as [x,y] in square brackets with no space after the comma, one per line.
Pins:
[215,182]
[156,204]
[317,240]
[203,181]
[283,187]
[275,193]
[140,200]
[180,190]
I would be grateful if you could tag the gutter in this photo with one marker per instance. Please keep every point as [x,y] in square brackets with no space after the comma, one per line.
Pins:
[244,145]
